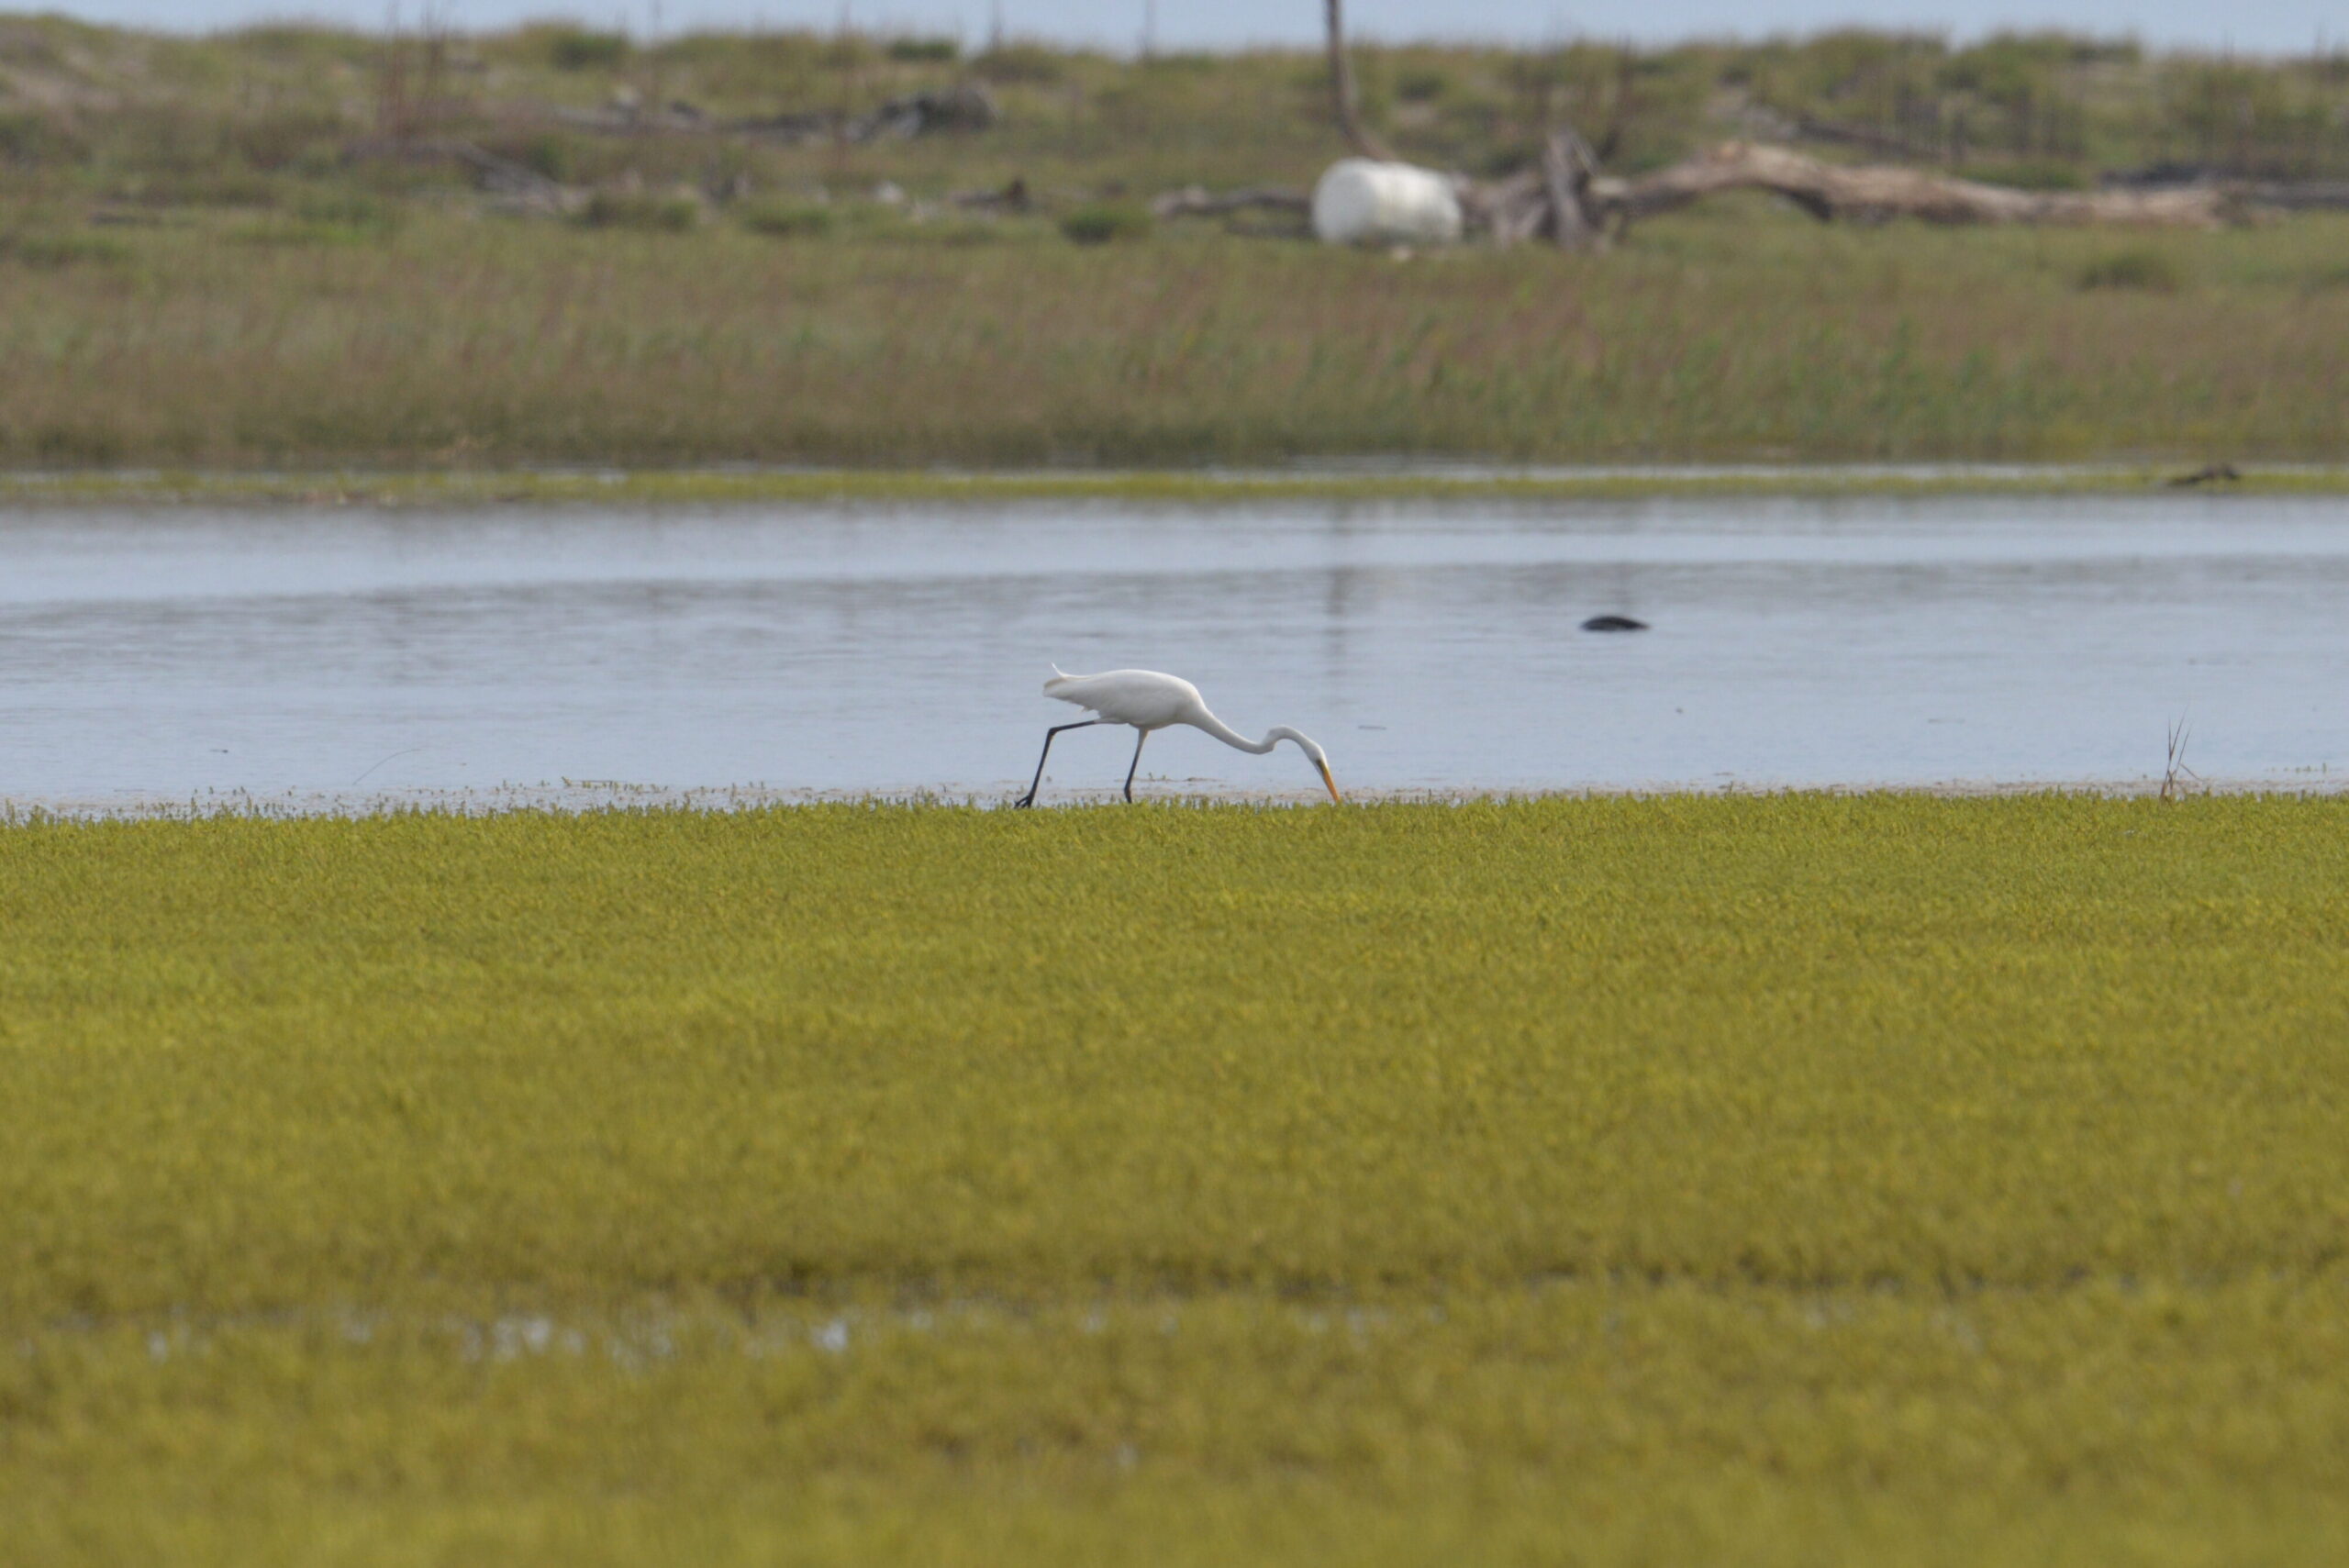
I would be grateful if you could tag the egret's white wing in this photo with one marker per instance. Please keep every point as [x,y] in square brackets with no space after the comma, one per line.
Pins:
[1144,698]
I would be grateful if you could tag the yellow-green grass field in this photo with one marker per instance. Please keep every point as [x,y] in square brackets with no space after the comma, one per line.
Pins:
[1814,1180]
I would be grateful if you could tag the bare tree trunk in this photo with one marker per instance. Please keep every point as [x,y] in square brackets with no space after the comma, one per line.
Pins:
[1568,169]
[1342,90]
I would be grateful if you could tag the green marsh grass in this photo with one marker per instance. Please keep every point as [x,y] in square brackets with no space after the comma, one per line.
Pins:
[2139,267]
[1105,222]
[1730,335]
[644,212]
[1785,1180]
[788,220]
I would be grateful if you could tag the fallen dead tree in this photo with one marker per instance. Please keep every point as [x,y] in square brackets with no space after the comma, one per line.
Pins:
[1879,192]
[1567,202]
[1554,201]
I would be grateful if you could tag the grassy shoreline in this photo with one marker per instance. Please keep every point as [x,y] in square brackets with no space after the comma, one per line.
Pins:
[656,487]
[586,801]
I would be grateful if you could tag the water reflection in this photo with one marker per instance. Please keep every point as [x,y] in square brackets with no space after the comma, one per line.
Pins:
[1428,646]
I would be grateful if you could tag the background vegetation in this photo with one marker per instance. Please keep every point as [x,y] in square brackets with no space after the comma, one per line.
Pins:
[258,249]
[233,117]
[1803,1179]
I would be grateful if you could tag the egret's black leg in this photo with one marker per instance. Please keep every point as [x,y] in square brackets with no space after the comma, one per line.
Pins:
[1030,799]
[1139,739]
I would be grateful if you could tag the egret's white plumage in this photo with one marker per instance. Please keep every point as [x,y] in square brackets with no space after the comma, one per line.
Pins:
[1148,700]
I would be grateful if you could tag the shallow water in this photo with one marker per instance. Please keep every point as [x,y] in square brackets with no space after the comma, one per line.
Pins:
[336,655]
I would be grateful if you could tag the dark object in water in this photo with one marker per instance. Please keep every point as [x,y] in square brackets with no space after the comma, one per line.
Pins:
[1614,623]
[2204,475]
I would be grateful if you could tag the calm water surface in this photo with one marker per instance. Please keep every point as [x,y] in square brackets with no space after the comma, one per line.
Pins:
[340,654]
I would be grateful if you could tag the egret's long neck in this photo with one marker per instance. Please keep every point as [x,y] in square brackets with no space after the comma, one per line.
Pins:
[1231,736]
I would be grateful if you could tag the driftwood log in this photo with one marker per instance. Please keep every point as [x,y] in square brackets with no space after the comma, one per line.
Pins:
[1567,202]
[1878,193]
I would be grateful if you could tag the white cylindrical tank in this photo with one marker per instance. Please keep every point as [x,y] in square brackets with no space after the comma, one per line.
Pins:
[1362,202]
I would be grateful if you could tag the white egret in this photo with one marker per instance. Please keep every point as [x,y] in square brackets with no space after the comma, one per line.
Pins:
[1149,700]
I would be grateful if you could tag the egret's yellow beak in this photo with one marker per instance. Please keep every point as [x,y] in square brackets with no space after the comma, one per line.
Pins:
[1331,782]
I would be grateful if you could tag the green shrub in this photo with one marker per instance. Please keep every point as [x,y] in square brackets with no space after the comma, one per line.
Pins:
[2029,174]
[353,210]
[2140,267]
[67,445]
[52,247]
[1421,86]
[846,51]
[550,155]
[651,214]
[273,142]
[323,217]
[22,45]
[319,160]
[286,233]
[920,50]
[226,186]
[576,48]
[788,220]
[30,139]
[1020,62]
[958,230]
[1106,221]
